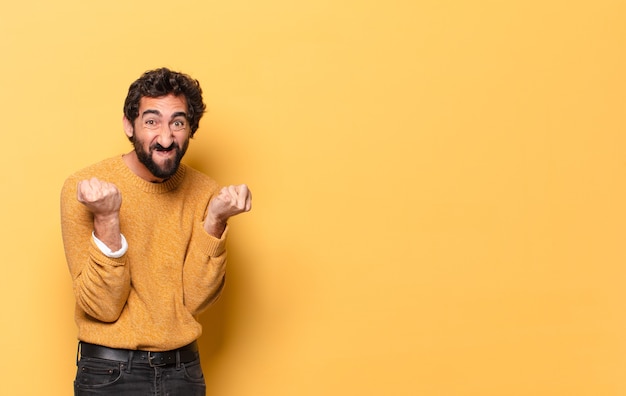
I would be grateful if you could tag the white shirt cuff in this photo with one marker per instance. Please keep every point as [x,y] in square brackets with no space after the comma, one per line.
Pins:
[108,252]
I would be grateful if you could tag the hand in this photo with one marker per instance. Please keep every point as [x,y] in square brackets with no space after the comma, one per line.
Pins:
[100,197]
[230,201]
[104,201]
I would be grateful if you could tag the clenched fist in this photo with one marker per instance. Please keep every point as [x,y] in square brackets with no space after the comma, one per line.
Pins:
[104,201]
[231,201]
[100,197]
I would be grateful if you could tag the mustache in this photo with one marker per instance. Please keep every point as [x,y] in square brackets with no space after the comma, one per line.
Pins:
[158,147]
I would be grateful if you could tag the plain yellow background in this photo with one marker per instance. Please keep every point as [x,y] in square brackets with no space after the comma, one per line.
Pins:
[439,187]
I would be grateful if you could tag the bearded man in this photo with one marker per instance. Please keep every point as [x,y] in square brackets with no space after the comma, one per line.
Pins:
[144,238]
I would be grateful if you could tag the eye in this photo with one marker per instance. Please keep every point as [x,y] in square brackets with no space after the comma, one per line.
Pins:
[178,125]
[151,123]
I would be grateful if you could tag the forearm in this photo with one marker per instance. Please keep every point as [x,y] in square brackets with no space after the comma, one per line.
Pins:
[202,288]
[103,286]
[214,227]
[107,229]
[204,271]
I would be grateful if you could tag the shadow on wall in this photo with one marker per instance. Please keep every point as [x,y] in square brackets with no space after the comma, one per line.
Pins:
[223,321]
[220,320]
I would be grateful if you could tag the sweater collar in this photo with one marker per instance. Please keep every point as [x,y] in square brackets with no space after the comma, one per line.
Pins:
[154,188]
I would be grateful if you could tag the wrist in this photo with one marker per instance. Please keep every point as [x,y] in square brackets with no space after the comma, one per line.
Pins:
[107,229]
[106,219]
[214,227]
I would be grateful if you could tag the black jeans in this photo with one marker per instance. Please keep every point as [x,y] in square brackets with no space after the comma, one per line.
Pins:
[108,377]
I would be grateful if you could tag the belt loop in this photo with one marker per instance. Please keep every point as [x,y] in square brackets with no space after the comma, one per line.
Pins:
[130,361]
[178,359]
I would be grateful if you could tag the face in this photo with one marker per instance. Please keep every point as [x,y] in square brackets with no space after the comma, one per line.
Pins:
[160,134]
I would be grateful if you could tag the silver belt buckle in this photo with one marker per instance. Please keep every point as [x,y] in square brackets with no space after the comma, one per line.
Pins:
[151,357]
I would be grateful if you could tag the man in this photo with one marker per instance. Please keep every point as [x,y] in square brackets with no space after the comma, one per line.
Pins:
[144,239]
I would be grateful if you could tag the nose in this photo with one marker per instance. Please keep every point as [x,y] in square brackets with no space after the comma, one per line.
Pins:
[166,136]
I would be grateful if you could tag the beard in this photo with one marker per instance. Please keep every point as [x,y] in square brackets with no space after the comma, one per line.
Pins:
[169,167]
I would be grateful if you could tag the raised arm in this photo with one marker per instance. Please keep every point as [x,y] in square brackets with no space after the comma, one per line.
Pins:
[101,283]
[203,283]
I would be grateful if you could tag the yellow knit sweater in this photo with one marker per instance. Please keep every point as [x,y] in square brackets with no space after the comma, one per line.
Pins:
[150,297]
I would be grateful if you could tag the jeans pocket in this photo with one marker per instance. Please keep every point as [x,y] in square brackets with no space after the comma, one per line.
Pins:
[96,373]
[193,371]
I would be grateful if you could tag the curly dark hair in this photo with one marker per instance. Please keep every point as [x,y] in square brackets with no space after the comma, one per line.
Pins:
[161,82]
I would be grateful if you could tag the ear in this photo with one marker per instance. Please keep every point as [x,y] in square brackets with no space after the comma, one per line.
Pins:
[128,127]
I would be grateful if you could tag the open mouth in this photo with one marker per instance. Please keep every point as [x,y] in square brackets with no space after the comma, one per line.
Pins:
[160,148]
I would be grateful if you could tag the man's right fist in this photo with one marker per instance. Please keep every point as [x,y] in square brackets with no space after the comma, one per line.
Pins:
[100,197]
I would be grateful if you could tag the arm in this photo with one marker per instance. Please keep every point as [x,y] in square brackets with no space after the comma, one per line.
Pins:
[101,284]
[204,270]
[203,284]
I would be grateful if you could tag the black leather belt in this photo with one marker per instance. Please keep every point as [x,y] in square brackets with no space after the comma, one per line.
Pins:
[185,354]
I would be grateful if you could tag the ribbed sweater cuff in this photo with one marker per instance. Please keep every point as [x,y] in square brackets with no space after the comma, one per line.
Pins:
[211,245]
[102,259]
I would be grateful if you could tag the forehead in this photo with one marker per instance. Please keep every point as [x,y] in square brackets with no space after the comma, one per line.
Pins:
[165,105]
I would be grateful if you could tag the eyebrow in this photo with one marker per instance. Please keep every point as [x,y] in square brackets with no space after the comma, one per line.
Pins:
[150,111]
[157,112]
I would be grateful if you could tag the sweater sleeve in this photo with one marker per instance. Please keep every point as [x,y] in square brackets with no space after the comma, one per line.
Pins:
[204,269]
[101,284]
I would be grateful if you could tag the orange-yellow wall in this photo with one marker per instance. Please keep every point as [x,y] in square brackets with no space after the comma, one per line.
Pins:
[439,187]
